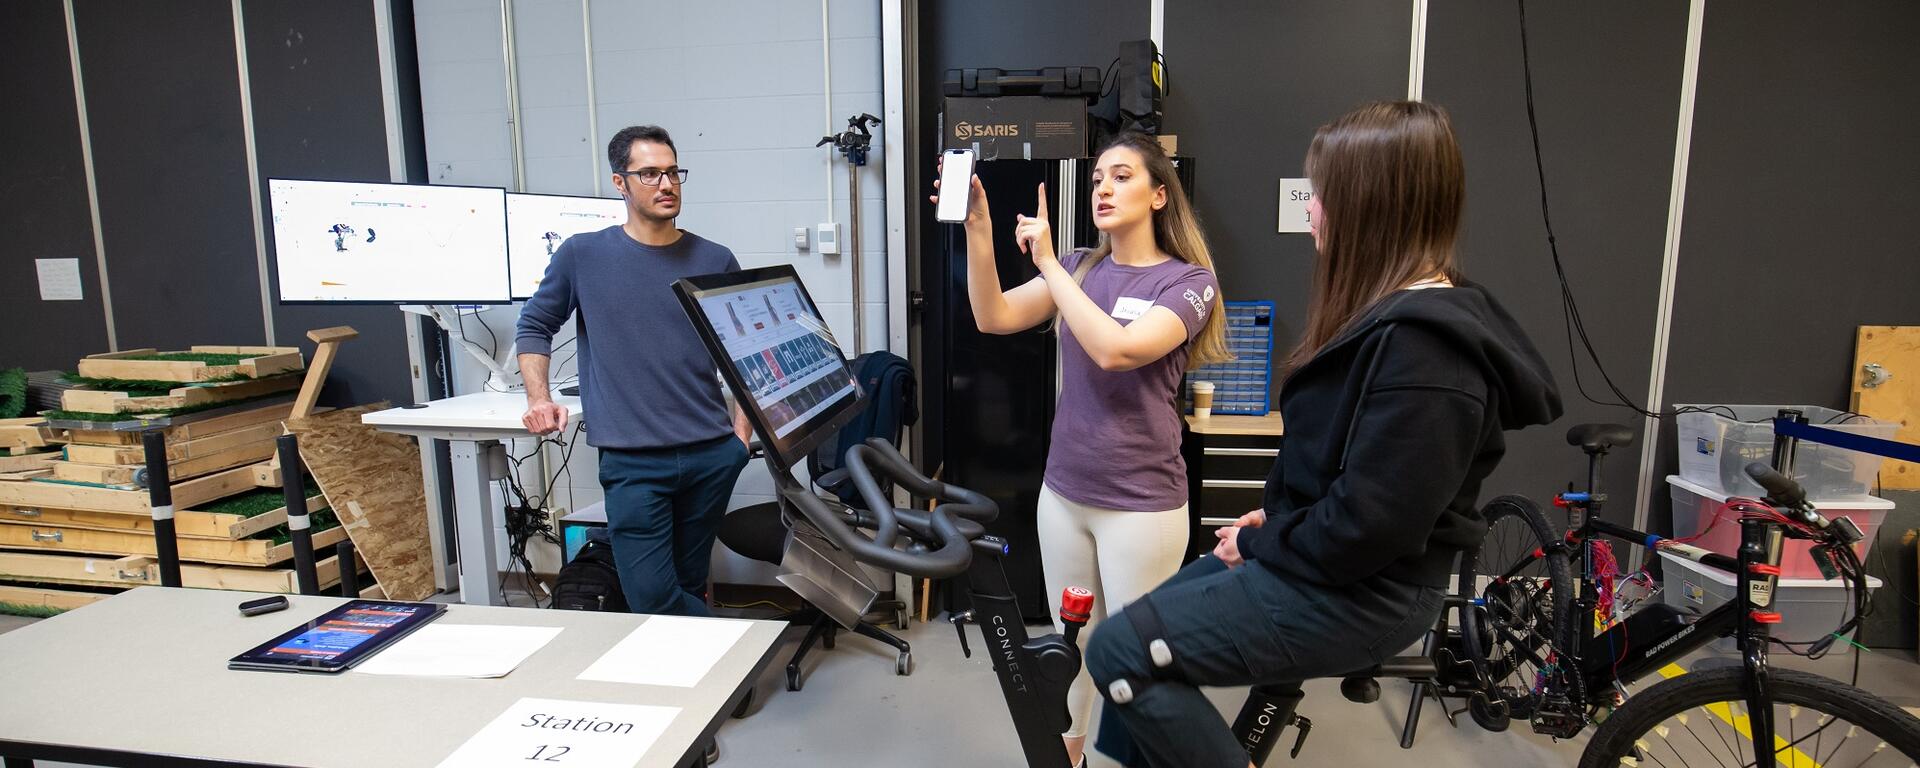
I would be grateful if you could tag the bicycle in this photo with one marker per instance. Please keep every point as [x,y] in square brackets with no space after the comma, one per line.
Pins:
[1530,628]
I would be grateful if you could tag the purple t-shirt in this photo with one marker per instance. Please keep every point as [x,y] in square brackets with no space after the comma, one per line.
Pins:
[1116,434]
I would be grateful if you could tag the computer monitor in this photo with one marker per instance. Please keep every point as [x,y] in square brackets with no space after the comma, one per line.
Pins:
[776,354]
[538,224]
[372,243]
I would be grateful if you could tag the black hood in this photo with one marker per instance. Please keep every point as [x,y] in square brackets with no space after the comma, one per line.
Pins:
[1482,329]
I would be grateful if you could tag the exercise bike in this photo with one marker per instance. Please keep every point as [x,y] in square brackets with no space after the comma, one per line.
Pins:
[948,541]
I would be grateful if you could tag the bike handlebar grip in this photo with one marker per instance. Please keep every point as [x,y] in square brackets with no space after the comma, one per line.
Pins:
[1076,605]
[1779,487]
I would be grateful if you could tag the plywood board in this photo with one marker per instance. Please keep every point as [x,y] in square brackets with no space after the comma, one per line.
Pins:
[265,361]
[372,480]
[105,401]
[242,552]
[1895,350]
[49,598]
[200,490]
[187,523]
[87,570]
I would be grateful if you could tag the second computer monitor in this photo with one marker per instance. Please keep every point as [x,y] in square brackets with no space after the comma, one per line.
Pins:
[538,224]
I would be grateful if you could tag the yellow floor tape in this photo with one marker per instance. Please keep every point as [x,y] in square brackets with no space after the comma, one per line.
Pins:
[1791,756]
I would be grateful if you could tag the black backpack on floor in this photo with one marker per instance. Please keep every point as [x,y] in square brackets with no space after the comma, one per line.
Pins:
[590,582]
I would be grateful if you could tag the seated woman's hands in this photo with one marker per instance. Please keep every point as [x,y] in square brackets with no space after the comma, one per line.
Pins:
[1228,549]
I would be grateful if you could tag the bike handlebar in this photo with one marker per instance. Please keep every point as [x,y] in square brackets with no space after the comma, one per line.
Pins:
[952,540]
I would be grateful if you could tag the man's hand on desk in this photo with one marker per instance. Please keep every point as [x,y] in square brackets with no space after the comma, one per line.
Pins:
[544,417]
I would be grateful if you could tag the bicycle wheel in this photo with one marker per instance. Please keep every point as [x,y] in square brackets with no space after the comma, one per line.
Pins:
[1699,718]
[1523,596]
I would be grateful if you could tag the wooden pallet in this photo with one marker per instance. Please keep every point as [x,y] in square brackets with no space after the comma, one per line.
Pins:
[84,570]
[48,598]
[192,429]
[215,551]
[186,495]
[188,396]
[177,450]
[30,462]
[188,523]
[266,361]
[76,471]
[29,435]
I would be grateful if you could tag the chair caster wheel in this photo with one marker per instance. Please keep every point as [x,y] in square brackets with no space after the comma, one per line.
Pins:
[900,620]
[905,666]
[793,678]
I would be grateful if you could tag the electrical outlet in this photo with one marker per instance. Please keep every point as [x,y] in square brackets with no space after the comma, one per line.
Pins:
[800,238]
[829,238]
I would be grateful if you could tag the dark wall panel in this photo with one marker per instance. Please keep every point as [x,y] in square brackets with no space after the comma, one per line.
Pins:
[1249,82]
[163,103]
[1606,81]
[43,194]
[314,72]
[1798,225]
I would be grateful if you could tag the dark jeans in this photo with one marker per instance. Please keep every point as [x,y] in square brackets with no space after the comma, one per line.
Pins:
[1242,626]
[663,510]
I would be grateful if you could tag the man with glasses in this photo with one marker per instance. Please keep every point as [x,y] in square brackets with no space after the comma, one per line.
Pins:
[669,453]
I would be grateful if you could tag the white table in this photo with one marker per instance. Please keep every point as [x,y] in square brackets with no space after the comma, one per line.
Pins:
[471,425]
[141,679]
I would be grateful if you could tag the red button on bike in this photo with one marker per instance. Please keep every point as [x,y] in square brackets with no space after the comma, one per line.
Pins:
[1076,604]
[1764,617]
[1762,569]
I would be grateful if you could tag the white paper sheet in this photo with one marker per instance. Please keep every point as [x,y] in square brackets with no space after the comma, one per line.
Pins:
[59,279]
[668,650]
[459,650]
[582,734]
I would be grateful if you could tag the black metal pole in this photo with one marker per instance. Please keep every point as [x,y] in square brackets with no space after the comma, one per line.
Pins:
[166,546]
[349,570]
[294,487]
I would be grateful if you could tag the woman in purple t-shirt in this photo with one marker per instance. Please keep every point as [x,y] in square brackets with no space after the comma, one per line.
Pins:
[1134,313]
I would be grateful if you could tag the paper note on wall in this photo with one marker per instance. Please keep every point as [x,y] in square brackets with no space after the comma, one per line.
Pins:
[1294,196]
[59,279]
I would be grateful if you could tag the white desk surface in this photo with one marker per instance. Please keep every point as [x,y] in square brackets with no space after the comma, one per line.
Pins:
[480,410]
[145,673]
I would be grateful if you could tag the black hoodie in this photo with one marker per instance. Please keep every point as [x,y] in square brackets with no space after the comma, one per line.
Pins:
[1390,430]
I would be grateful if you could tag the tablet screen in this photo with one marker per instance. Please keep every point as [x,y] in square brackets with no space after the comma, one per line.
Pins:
[341,636]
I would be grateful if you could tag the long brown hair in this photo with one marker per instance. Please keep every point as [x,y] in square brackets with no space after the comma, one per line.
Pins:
[1391,186]
[1176,230]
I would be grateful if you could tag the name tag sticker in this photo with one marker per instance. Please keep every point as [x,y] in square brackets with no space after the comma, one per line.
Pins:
[1130,308]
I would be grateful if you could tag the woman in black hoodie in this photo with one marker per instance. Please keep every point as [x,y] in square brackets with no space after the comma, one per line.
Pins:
[1395,403]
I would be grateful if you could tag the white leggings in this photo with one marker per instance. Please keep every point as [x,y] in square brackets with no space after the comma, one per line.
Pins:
[1119,555]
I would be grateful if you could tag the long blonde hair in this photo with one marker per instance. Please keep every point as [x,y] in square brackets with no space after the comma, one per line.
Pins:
[1391,186]
[1176,230]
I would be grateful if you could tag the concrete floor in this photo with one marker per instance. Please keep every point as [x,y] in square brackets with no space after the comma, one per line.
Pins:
[949,712]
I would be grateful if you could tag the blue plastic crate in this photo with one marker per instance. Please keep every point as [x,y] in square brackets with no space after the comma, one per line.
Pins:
[1242,386]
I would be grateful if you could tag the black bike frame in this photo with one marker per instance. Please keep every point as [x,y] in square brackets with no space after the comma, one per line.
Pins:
[1037,704]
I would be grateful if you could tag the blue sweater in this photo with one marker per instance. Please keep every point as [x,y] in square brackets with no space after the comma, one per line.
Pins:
[646,381]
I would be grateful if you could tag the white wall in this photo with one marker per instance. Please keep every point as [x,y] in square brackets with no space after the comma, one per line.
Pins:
[742,87]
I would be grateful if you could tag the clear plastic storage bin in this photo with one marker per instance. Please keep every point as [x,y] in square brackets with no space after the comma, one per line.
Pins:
[1696,509]
[1715,450]
[1809,609]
